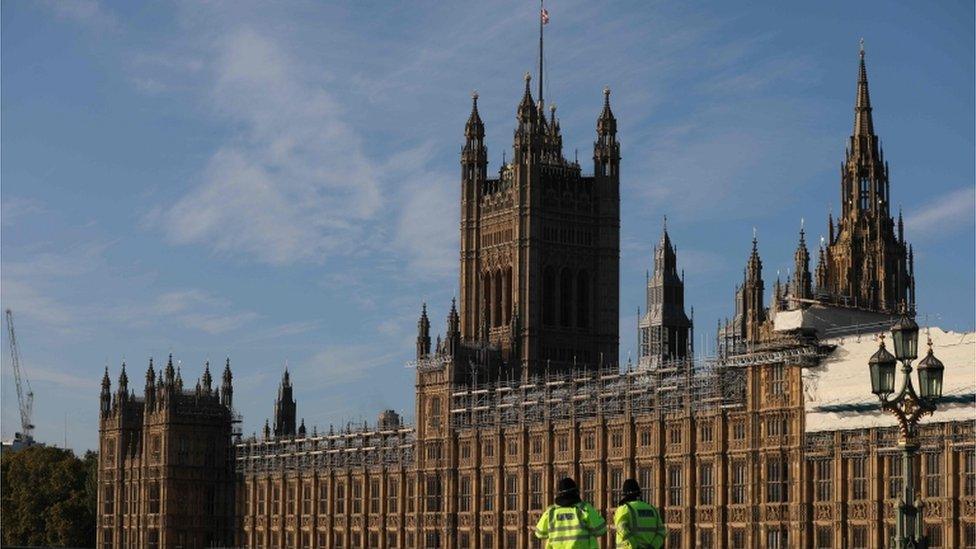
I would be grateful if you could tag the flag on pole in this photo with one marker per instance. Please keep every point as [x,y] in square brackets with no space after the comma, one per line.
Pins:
[545,16]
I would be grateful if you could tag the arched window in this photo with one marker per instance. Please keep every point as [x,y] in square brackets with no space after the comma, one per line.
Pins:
[507,301]
[566,298]
[486,299]
[583,300]
[548,296]
[496,315]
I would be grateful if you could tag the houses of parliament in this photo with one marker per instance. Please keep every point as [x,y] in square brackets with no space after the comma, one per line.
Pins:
[776,441]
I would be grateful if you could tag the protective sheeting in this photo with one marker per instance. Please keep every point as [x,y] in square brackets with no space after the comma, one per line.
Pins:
[837,393]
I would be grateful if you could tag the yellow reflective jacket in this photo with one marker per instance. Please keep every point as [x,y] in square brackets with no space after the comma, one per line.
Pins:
[639,525]
[576,527]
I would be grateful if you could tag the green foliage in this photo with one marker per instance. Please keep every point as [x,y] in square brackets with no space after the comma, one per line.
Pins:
[48,497]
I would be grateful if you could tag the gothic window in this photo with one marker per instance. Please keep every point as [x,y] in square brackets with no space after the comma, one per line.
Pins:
[488,492]
[562,442]
[548,296]
[154,497]
[777,482]
[645,480]
[589,441]
[155,448]
[565,298]
[739,481]
[433,493]
[489,448]
[777,537]
[511,492]
[934,534]
[108,499]
[290,500]
[674,434]
[507,302]
[374,496]
[393,495]
[617,439]
[589,484]
[583,300]
[823,476]
[357,496]
[465,450]
[859,537]
[895,477]
[616,484]
[464,494]
[777,379]
[739,430]
[859,478]
[933,474]
[706,540]
[537,444]
[496,314]
[645,437]
[738,538]
[410,495]
[706,484]
[824,540]
[486,298]
[535,491]
[675,486]
[512,447]
[340,498]
[705,432]
[323,497]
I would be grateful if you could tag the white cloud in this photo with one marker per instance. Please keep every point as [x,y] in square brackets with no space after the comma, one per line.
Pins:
[337,364]
[293,183]
[953,210]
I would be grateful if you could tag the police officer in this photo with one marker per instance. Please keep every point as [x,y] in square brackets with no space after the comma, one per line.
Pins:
[638,523]
[570,523]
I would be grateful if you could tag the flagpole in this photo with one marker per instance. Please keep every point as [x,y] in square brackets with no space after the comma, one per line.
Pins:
[541,8]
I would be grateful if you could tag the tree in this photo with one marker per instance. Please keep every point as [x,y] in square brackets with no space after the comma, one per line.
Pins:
[48,497]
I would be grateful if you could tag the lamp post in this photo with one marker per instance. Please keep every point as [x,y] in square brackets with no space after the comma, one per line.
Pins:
[908,406]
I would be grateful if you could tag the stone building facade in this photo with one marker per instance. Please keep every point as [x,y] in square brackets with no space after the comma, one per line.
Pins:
[744,449]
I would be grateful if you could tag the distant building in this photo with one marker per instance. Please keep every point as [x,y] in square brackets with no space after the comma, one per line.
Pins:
[775,442]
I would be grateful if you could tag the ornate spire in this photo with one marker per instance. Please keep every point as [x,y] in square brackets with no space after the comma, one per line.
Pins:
[227,387]
[207,380]
[527,108]
[123,380]
[423,333]
[474,128]
[801,284]
[106,382]
[754,266]
[863,124]
[606,124]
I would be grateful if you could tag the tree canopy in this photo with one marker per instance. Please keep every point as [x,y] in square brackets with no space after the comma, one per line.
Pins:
[48,496]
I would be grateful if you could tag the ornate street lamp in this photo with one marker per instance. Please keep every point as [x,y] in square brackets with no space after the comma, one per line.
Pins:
[908,407]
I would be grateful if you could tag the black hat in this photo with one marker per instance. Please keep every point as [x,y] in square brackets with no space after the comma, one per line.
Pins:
[631,488]
[566,486]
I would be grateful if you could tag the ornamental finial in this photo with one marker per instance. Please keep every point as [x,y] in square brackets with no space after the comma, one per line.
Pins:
[862,47]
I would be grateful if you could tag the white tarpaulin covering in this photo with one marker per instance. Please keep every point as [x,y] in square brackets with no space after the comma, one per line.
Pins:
[837,393]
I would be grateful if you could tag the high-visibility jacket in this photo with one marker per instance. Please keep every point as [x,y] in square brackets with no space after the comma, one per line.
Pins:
[575,527]
[639,525]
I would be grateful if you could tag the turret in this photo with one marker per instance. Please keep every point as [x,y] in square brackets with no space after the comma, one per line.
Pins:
[301,429]
[823,273]
[606,150]
[800,286]
[528,134]
[227,388]
[123,390]
[105,399]
[150,389]
[753,310]
[206,382]
[453,336]
[170,371]
[285,408]
[423,333]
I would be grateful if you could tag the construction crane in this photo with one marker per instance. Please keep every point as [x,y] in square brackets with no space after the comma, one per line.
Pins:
[24,399]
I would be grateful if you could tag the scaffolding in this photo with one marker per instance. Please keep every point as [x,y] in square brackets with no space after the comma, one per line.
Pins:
[676,386]
[350,448]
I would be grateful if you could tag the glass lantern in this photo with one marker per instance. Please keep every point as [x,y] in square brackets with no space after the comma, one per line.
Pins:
[904,335]
[882,368]
[930,373]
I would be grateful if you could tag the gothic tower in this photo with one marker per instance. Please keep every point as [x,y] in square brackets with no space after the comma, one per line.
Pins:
[801,287]
[867,263]
[750,311]
[284,412]
[665,330]
[540,244]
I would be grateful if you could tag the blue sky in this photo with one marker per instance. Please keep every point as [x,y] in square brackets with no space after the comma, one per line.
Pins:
[281,186]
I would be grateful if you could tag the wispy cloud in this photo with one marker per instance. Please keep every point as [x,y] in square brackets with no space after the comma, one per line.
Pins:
[952,211]
[292,183]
